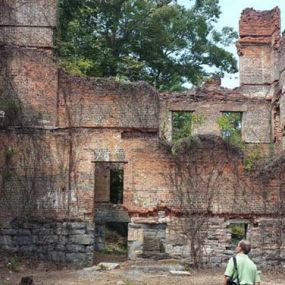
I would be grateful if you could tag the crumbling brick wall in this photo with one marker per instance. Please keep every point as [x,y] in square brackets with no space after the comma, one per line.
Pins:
[105,103]
[27,23]
[210,104]
[28,72]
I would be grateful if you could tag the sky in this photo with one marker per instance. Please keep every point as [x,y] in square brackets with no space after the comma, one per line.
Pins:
[231,10]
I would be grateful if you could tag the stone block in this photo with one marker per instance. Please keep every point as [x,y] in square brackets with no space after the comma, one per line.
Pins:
[82,239]
[75,248]
[28,248]
[8,232]
[5,241]
[56,256]
[23,240]
[76,258]
[180,273]
[108,265]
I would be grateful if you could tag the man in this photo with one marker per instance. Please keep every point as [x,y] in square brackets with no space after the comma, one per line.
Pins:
[247,271]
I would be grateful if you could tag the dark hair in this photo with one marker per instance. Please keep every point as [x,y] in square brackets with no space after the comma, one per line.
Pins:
[245,246]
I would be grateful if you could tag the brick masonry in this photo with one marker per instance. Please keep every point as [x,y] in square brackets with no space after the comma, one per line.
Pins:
[51,156]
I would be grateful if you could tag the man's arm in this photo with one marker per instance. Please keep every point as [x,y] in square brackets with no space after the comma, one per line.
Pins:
[229,271]
[226,280]
[257,283]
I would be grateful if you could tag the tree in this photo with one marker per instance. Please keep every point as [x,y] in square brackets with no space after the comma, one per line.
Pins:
[157,41]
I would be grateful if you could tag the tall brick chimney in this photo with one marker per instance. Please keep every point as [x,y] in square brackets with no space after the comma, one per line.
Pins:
[259,36]
[27,23]
[28,71]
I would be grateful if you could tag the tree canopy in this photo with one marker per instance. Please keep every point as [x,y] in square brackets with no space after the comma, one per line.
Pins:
[158,41]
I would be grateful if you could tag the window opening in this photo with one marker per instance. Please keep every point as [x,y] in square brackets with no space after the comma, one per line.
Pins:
[230,125]
[238,232]
[116,186]
[181,124]
[109,182]
[116,238]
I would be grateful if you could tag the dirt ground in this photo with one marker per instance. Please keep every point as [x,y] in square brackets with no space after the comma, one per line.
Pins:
[12,269]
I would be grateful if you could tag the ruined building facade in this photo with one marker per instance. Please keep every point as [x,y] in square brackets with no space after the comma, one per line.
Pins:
[65,140]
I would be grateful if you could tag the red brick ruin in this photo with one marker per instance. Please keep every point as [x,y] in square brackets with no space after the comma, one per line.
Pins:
[64,139]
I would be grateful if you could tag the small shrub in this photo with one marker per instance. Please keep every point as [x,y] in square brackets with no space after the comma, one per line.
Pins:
[13,264]
[251,158]
[12,109]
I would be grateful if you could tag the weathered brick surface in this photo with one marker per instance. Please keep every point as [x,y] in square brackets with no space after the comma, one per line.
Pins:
[254,64]
[40,13]
[91,102]
[259,26]
[30,76]
[258,41]
[27,23]
[209,105]
[26,36]
[281,70]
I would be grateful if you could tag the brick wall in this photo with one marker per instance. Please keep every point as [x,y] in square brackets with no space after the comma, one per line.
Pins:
[259,38]
[30,76]
[91,102]
[209,105]
[27,23]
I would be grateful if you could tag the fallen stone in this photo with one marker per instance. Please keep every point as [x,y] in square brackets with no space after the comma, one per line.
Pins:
[155,268]
[120,282]
[179,273]
[108,265]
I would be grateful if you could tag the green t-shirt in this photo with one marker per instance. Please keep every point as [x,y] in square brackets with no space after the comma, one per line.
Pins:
[247,270]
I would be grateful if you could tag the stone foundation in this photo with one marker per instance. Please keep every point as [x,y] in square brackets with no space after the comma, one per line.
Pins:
[169,240]
[59,242]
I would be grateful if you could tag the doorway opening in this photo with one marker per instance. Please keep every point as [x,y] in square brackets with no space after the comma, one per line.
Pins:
[111,242]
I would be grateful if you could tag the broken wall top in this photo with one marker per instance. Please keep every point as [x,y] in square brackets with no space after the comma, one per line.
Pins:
[258,45]
[262,27]
[209,105]
[106,103]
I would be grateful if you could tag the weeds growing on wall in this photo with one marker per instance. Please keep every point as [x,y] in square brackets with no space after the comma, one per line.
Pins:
[23,181]
[184,124]
[230,126]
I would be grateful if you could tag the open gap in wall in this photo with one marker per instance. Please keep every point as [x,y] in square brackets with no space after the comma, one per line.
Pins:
[277,133]
[111,242]
[154,241]
[238,232]
[182,122]
[230,125]
[109,182]
[116,185]
[116,238]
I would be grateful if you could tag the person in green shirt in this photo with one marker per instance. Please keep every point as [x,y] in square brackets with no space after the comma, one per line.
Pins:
[247,271]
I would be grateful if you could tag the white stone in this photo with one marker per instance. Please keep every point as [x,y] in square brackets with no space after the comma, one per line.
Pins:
[108,265]
[179,273]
